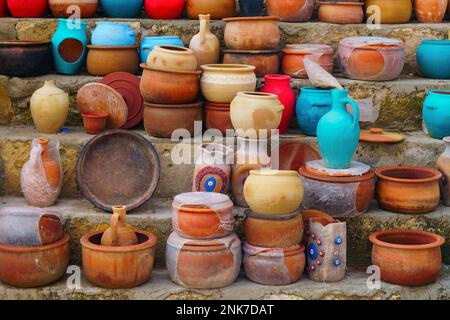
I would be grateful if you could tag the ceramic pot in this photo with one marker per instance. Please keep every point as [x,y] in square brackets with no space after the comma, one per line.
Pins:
[217,116]
[25,58]
[391,11]
[111,34]
[265,61]
[274,266]
[203,264]
[220,83]
[205,44]
[433,58]
[443,165]
[161,120]
[122,9]
[102,60]
[27,8]
[51,167]
[251,8]
[120,233]
[118,267]
[312,104]
[164,9]
[169,87]
[218,9]
[407,257]
[149,43]
[49,107]
[293,63]
[3,8]
[281,86]
[273,192]
[32,267]
[172,58]
[280,231]
[341,12]
[202,215]
[307,215]
[430,11]
[436,114]
[409,190]
[94,122]
[66,8]
[69,46]
[291,10]
[240,33]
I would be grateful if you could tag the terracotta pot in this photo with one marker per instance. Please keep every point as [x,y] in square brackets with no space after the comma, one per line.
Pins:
[169,87]
[205,44]
[217,116]
[407,257]
[221,82]
[291,10]
[118,267]
[161,120]
[274,266]
[62,8]
[443,165]
[307,215]
[172,58]
[265,61]
[430,11]
[408,189]
[341,12]
[94,122]
[294,55]
[27,8]
[218,9]
[103,60]
[256,114]
[51,166]
[30,267]
[120,233]
[203,264]
[273,192]
[240,33]
[279,231]
[391,11]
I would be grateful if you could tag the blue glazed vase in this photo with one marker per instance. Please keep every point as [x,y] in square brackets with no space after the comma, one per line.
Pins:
[113,34]
[433,58]
[69,45]
[312,104]
[149,43]
[338,131]
[122,8]
[436,113]
[251,8]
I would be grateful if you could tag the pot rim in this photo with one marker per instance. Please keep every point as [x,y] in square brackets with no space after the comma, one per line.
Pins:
[257,18]
[281,217]
[13,249]
[261,251]
[438,240]
[204,245]
[315,90]
[229,68]
[342,3]
[161,37]
[174,49]
[146,67]
[95,114]
[335,179]
[274,173]
[217,106]
[438,42]
[256,94]
[13,43]
[86,243]
[279,77]
[294,51]
[173,106]
[254,52]
[436,175]
[90,46]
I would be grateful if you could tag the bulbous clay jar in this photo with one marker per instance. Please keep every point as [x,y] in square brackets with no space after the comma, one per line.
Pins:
[407,257]
[120,233]
[391,11]
[217,116]
[218,9]
[341,12]
[103,60]
[62,8]
[430,11]
[291,10]
[172,58]
[443,165]
[293,63]
[205,44]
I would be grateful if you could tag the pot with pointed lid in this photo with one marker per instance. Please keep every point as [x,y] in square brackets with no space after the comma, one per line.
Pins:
[120,233]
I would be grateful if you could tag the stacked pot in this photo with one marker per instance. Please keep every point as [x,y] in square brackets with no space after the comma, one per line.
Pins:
[203,252]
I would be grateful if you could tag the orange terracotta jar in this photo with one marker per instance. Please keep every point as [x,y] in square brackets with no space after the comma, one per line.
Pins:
[341,12]
[430,11]
[120,233]
[291,10]
[390,11]
[294,56]
[218,9]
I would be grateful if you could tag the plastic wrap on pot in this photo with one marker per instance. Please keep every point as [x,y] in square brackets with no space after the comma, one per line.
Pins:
[371,58]
[295,55]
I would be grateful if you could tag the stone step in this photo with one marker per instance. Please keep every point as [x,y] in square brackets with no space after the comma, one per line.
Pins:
[80,217]
[159,287]
[15,141]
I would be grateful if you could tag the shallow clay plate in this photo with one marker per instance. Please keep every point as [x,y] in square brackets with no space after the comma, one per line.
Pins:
[294,155]
[118,167]
[95,97]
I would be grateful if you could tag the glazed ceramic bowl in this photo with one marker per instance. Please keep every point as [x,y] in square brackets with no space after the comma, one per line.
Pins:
[436,113]
[149,43]
[407,257]
[113,34]
[433,58]
[265,61]
[103,60]
[122,9]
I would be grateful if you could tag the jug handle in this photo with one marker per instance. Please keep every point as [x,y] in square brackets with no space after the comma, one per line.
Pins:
[114,228]
[355,108]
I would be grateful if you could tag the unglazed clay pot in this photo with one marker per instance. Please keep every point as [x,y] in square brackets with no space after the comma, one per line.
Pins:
[120,233]
[240,33]
[172,58]
[51,166]
[118,267]
[265,61]
[430,11]
[94,122]
[291,10]
[280,231]
[30,267]
[273,192]
[203,264]
[274,266]
[66,8]
[102,60]
[443,165]
[49,107]
[307,215]
[164,9]
[205,44]
[217,116]
[220,83]
[391,11]
[218,9]
[341,12]
[407,257]
[294,55]
[408,190]
[169,87]
[27,8]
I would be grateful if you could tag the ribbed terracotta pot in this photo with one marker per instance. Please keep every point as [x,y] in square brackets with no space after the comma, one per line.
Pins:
[341,12]
[103,60]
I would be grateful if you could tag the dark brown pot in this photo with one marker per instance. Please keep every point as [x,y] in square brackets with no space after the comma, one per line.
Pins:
[265,61]
[103,60]
[25,58]
[217,116]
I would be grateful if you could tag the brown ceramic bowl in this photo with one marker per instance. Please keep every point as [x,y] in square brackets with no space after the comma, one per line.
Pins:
[407,257]
[103,60]
[30,267]
[217,116]
[408,189]
[118,267]
[265,61]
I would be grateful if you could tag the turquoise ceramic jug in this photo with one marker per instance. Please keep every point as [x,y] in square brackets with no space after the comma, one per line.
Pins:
[69,46]
[338,131]
[436,113]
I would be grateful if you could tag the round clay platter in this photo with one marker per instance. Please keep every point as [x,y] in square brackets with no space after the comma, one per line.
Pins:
[294,155]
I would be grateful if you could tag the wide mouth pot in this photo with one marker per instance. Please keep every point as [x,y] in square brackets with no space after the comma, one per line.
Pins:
[252,52]
[231,68]
[408,174]
[95,115]
[258,18]
[63,241]
[112,47]
[406,239]
[273,252]
[174,106]
[20,43]
[187,72]
[92,241]
[276,173]
[282,217]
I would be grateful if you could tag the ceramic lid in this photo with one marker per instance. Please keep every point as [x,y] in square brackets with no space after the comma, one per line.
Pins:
[212,200]
[379,135]
[176,241]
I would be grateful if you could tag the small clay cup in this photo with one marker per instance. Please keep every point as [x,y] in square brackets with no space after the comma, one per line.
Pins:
[94,122]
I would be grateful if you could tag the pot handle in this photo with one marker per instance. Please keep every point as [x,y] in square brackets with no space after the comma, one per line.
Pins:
[355,108]
[114,228]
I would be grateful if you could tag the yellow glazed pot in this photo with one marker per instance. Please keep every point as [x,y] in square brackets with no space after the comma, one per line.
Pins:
[172,58]
[49,108]
[273,191]
[391,11]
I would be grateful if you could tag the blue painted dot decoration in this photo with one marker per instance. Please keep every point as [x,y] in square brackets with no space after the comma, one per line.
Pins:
[337,262]
[210,184]
[338,240]
[313,251]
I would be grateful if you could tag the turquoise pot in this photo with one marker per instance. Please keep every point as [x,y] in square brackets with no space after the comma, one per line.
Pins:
[149,43]
[113,34]
[122,8]
[312,104]
[433,58]
[338,131]
[69,46]
[436,113]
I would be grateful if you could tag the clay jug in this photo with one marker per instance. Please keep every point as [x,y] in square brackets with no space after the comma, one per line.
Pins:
[49,108]
[443,165]
[205,44]
[120,233]
[51,167]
